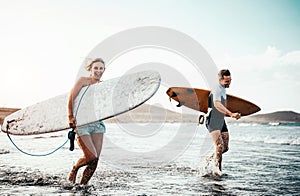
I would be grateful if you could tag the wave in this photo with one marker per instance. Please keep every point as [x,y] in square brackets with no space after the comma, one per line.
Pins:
[271,124]
[246,124]
[274,123]
[289,140]
[282,140]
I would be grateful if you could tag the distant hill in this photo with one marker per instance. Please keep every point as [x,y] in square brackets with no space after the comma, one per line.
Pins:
[275,117]
[150,113]
[153,114]
[144,114]
[6,111]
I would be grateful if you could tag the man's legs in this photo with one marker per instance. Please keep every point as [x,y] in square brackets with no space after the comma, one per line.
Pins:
[218,142]
[225,137]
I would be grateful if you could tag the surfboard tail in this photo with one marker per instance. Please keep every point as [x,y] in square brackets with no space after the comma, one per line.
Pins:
[171,93]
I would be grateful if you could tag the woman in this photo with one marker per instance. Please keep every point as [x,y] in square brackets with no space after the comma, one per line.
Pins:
[90,136]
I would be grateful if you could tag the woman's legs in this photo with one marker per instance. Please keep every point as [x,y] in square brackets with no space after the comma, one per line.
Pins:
[97,139]
[86,144]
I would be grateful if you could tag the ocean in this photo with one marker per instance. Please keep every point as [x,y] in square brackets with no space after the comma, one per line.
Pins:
[158,159]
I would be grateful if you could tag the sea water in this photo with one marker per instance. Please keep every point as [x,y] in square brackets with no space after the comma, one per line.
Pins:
[158,159]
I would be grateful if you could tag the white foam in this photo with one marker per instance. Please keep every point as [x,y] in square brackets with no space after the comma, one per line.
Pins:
[209,168]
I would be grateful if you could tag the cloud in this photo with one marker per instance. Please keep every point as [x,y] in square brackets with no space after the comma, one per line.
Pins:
[291,58]
[272,64]
[270,79]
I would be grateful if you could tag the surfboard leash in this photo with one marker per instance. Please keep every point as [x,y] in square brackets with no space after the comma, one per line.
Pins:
[71,136]
[36,155]
[72,133]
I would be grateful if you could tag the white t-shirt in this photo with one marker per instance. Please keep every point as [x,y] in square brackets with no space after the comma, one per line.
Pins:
[216,118]
[219,92]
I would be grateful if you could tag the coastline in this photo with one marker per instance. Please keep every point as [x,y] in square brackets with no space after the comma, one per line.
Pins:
[153,114]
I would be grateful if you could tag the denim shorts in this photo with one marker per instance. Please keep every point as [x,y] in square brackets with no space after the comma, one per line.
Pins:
[88,129]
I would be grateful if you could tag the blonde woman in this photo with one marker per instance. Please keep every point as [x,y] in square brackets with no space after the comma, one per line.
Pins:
[90,136]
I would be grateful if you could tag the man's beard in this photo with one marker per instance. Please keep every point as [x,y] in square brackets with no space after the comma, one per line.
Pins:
[226,85]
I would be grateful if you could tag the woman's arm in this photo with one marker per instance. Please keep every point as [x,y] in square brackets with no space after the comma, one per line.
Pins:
[73,94]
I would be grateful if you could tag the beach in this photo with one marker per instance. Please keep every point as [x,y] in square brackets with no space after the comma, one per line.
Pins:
[156,141]
[158,159]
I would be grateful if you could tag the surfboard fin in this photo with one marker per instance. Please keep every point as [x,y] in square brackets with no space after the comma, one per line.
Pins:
[180,103]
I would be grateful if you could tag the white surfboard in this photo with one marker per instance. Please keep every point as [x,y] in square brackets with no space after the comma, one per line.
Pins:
[95,102]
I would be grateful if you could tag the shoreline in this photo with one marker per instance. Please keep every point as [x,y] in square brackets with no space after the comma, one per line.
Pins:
[153,114]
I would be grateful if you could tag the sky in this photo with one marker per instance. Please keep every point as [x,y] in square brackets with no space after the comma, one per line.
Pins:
[44,43]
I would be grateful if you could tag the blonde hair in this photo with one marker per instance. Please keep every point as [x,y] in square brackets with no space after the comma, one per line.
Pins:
[89,66]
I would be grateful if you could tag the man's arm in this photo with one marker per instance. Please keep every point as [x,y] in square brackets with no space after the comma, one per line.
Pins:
[221,108]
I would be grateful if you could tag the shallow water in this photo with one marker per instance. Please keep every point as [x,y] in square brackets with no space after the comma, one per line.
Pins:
[158,159]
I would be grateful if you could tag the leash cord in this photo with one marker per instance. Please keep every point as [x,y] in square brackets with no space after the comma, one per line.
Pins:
[46,154]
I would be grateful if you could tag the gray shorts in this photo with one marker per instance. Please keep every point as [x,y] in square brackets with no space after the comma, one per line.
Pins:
[88,129]
[215,122]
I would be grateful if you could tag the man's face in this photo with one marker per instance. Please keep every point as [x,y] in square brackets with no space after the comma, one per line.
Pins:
[225,82]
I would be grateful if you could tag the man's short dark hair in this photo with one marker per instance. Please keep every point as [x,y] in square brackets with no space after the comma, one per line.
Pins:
[223,72]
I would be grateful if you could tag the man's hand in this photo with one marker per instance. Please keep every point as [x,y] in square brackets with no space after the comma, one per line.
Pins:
[236,115]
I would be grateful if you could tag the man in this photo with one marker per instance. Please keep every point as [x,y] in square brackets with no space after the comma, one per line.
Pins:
[215,122]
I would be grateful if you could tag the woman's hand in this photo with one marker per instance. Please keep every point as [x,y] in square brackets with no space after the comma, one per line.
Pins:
[72,122]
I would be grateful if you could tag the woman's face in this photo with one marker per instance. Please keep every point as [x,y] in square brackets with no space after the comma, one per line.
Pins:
[97,70]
